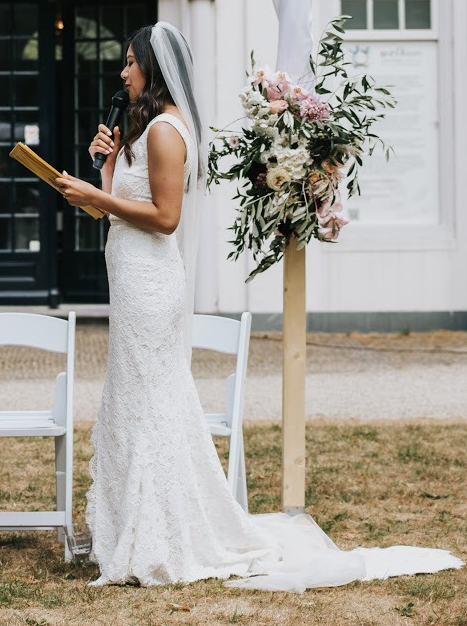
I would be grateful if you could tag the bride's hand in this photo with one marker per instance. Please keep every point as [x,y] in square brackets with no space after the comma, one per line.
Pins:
[76,191]
[103,143]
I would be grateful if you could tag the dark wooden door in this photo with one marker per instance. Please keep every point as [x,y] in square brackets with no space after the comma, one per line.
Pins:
[27,205]
[93,57]
[60,64]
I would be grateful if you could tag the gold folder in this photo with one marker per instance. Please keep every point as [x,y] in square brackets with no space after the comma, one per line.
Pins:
[27,157]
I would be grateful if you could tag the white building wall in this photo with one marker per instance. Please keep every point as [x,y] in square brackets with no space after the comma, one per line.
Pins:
[385,268]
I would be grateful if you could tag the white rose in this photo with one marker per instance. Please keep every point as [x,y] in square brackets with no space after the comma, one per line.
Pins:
[276,177]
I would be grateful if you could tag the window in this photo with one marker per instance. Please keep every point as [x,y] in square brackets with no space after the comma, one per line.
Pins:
[385,14]
[388,14]
[19,114]
[404,191]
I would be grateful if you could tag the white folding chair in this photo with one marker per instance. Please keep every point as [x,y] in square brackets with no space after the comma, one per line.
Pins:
[230,336]
[55,335]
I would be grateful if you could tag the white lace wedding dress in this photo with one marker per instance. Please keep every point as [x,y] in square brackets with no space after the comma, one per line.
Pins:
[159,508]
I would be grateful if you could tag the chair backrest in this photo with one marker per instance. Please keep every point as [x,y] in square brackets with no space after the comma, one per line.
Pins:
[47,333]
[232,337]
[35,331]
[216,333]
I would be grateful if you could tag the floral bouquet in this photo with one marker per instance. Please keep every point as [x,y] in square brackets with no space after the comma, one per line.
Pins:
[297,150]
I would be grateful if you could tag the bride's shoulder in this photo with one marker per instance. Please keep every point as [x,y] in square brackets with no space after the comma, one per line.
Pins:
[165,137]
[170,127]
[172,114]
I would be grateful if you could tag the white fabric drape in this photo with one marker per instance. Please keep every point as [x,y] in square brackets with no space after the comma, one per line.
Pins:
[176,62]
[295,40]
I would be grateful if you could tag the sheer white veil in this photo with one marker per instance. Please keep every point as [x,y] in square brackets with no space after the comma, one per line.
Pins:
[175,59]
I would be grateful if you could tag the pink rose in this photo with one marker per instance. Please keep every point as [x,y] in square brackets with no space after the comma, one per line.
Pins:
[278,106]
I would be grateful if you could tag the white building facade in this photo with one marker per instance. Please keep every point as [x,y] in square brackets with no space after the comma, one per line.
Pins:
[401,262]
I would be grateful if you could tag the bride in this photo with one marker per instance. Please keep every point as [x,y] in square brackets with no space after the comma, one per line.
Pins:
[159,508]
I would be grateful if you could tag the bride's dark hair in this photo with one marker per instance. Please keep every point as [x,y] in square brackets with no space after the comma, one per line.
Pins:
[155,93]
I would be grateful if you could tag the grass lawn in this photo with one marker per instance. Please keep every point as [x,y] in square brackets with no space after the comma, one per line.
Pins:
[372,484]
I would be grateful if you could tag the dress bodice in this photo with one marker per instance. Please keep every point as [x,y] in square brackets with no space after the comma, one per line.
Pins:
[132,181]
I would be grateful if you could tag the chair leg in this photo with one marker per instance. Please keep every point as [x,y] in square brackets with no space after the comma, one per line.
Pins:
[242,491]
[68,554]
[60,479]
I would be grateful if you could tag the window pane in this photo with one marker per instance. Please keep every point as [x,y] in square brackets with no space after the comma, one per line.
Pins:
[386,14]
[26,231]
[17,169]
[86,125]
[86,22]
[5,161]
[135,18]
[110,85]
[25,19]
[111,21]
[114,67]
[111,56]
[5,233]
[86,57]
[26,54]
[5,19]
[357,9]
[22,119]
[5,126]
[25,88]
[84,168]
[87,92]
[5,91]
[418,14]
[5,55]
[27,198]
[5,198]
[88,233]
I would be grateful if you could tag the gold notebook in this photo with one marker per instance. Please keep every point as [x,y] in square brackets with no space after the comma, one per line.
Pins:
[27,157]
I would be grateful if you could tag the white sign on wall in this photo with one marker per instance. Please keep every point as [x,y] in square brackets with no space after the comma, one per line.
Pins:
[31,134]
[405,189]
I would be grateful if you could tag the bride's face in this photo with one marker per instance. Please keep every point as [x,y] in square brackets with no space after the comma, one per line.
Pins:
[133,76]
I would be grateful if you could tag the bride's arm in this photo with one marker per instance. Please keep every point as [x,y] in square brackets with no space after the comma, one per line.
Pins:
[166,156]
[106,181]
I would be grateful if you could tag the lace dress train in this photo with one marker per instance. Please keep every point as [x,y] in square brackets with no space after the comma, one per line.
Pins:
[159,507]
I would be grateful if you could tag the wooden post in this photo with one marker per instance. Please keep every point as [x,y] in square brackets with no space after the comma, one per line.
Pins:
[293,380]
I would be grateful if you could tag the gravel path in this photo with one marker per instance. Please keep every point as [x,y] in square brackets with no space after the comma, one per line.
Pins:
[367,376]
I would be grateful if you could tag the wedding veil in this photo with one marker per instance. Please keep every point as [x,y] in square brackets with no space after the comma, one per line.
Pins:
[175,59]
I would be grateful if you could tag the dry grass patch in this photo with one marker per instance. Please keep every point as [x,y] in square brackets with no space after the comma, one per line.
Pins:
[374,484]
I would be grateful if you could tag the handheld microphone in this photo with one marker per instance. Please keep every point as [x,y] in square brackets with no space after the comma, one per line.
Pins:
[120,102]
